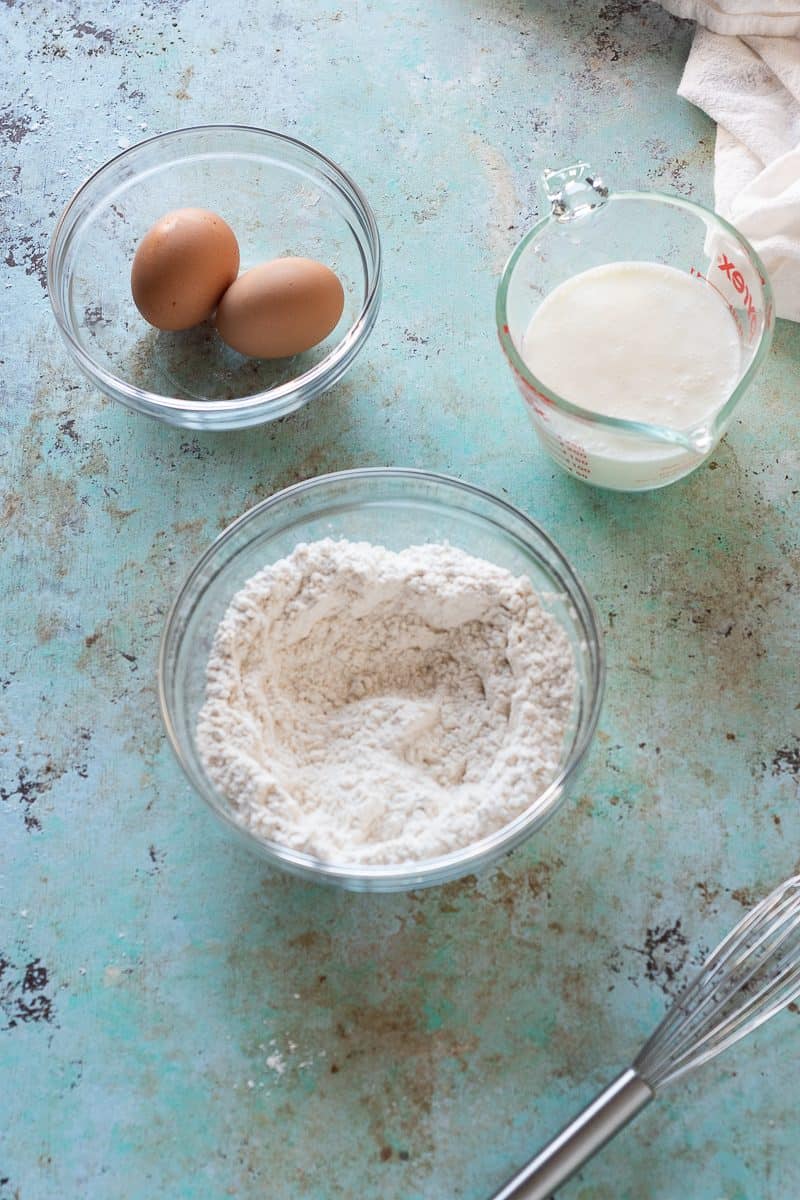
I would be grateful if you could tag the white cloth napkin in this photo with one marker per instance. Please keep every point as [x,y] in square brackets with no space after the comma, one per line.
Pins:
[750,85]
[771,18]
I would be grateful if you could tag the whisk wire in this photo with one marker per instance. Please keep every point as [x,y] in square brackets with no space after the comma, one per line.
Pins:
[761,956]
[774,996]
[728,987]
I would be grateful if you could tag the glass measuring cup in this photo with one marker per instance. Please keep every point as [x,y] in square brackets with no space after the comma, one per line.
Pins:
[588,226]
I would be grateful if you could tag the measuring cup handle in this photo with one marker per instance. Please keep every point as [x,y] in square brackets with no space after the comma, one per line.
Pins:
[573,191]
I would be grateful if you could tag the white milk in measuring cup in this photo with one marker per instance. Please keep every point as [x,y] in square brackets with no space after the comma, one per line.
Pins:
[641,342]
[633,322]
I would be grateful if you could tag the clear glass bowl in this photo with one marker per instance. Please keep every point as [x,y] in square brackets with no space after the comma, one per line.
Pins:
[280,197]
[395,508]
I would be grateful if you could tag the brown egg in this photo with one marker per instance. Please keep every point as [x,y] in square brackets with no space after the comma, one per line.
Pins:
[182,266]
[281,307]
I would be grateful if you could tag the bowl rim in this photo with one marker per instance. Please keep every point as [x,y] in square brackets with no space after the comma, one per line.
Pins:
[407,876]
[312,379]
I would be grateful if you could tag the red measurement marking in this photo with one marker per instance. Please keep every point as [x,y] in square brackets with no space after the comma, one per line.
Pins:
[574,457]
[699,275]
[711,284]
[738,281]
[732,272]
[532,396]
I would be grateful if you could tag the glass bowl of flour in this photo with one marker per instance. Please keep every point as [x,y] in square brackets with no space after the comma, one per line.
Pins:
[382,679]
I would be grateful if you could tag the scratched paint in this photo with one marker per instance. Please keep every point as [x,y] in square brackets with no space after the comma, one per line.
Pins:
[174,1019]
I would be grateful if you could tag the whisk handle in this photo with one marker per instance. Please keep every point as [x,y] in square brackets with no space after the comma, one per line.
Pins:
[579,1140]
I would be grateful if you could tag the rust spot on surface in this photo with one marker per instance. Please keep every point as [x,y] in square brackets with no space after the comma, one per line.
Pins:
[29,785]
[26,252]
[674,170]
[191,527]
[52,509]
[195,449]
[26,792]
[46,628]
[11,506]
[94,317]
[14,126]
[186,78]
[89,29]
[67,429]
[23,992]
[465,888]
[118,515]
[786,761]
[95,463]
[312,939]
[665,955]
[156,858]
[708,892]
[540,877]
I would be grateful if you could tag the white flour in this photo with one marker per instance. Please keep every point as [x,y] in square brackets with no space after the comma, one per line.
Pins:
[366,706]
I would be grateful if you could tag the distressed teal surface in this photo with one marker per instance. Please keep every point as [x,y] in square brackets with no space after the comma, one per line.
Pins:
[175,1020]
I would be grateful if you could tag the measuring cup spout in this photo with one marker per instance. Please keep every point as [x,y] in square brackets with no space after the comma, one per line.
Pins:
[702,441]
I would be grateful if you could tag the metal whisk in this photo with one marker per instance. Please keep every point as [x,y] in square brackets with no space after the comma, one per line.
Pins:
[750,976]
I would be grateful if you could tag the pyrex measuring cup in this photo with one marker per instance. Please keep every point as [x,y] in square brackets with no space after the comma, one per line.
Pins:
[588,226]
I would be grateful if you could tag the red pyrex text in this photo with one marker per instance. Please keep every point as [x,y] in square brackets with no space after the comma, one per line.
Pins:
[737,279]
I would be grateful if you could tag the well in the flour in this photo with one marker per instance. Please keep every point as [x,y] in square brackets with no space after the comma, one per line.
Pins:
[371,706]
